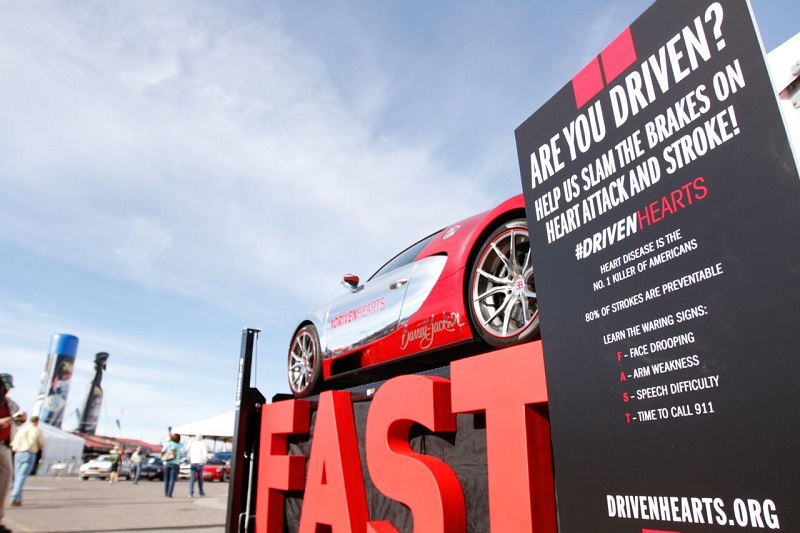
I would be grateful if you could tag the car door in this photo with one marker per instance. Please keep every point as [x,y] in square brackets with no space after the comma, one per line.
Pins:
[371,311]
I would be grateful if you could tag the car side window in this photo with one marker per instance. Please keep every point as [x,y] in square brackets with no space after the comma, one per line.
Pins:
[405,257]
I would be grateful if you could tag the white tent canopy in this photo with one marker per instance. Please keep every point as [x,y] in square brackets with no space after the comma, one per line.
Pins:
[60,448]
[219,427]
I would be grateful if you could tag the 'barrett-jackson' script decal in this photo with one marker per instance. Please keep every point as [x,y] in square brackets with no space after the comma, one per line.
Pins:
[424,332]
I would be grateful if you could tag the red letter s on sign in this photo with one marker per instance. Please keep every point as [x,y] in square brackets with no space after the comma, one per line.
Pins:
[425,484]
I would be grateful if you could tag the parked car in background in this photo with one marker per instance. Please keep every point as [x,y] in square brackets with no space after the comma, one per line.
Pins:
[225,456]
[184,469]
[152,468]
[216,470]
[100,467]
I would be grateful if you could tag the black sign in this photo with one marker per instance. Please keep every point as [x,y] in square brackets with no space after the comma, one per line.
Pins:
[663,201]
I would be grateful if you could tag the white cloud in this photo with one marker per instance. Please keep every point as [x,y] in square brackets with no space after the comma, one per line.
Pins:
[184,142]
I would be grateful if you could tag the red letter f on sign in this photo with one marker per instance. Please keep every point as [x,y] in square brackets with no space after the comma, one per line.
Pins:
[278,472]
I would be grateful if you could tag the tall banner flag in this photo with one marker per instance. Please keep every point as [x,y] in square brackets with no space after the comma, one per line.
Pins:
[663,206]
[57,377]
[94,397]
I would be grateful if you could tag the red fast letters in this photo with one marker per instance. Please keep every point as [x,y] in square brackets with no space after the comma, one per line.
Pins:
[519,456]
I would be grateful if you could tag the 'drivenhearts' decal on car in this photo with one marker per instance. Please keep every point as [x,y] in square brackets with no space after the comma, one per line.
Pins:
[379,304]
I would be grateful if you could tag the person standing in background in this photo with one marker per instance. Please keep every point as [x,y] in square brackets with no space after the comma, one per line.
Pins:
[171,457]
[198,453]
[115,461]
[136,465]
[26,444]
[9,414]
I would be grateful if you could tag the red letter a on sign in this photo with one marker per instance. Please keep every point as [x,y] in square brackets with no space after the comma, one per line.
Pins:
[335,494]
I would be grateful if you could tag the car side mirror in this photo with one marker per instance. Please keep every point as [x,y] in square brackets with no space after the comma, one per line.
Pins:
[350,282]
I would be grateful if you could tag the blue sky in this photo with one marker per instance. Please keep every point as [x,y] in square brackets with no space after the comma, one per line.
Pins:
[173,172]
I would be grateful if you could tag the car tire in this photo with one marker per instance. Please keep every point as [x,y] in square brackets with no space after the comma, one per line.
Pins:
[501,297]
[85,478]
[304,362]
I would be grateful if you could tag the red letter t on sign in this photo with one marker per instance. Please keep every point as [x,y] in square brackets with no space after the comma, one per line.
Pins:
[503,384]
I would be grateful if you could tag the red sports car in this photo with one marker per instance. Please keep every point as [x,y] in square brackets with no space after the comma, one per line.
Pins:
[216,470]
[470,282]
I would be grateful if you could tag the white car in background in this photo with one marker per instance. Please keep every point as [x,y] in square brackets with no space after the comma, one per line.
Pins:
[100,467]
[184,469]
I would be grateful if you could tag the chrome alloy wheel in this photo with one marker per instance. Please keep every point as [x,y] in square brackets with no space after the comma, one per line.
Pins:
[502,289]
[304,364]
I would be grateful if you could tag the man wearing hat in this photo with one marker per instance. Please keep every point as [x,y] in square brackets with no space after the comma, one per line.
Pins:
[9,414]
[26,444]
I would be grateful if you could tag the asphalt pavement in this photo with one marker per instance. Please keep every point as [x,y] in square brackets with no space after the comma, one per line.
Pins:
[69,504]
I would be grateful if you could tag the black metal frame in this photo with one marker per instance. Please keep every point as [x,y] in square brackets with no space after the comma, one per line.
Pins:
[246,431]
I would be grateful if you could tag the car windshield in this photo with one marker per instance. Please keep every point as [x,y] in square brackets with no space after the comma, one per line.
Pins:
[215,462]
[404,257]
[152,461]
[103,458]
